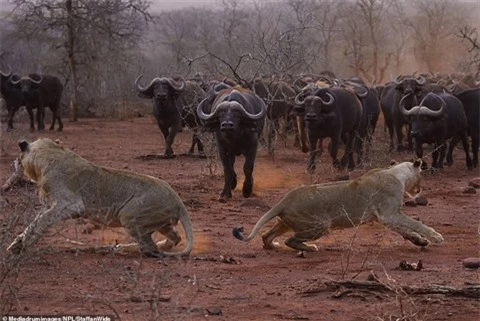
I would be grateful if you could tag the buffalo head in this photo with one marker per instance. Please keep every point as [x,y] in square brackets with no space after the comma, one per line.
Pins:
[229,110]
[408,85]
[318,108]
[424,117]
[160,89]
[27,83]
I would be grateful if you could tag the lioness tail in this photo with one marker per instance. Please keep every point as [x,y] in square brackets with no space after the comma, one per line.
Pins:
[272,213]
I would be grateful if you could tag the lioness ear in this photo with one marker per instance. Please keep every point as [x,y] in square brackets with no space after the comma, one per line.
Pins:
[23,145]
[417,163]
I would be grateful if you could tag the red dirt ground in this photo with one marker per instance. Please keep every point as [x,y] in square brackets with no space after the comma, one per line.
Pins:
[225,279]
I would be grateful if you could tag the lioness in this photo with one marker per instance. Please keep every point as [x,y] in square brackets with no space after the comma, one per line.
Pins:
[311,211]
[74,187]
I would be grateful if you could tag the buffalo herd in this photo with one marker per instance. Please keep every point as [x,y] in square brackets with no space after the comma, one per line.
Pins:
[417,109]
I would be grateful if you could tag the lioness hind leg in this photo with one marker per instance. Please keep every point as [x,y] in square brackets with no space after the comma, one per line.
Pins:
[146,245]
[299,244]
[278,229]
[298,240]
[172,238]
[412,230]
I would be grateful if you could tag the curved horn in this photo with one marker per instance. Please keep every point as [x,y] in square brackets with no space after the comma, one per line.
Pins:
[330,101]
[406,112]
[421,80]
[299,102]
[176,85]
[398,80]
[359,94]
[33,80]
[15,80]
[145,89]
[6,75]
[201,114]
[236,105]
[432,113]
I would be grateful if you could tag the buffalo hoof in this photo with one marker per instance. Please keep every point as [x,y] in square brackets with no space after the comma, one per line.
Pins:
[247,191]
[223,199]
[170,156]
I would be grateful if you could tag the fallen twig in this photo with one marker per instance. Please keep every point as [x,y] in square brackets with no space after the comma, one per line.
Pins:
[468,291]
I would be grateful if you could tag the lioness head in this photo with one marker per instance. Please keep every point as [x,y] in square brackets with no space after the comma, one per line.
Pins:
[412,185]
[34,156]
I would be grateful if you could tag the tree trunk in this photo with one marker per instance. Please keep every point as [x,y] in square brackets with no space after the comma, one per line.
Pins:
[71,60]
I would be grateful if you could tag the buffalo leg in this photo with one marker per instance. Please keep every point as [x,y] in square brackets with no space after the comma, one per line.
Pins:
[228,162]
[468,160]
[11,113]
[248,170]
[313,139]
[169,135]
[333,149]
[32,123]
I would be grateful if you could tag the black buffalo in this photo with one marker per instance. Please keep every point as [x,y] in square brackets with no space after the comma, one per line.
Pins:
[278,97]
[470,99]
[12,95]
[331,112]
[411,89]
[436,119]
[174,104]
[237,117]
[39,92]
[370,113]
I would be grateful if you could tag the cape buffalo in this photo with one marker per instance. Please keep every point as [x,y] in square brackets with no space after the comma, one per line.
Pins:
[436,119]
[174,104]
[38,92]
[333,112]
[12,95]
[407,87]
[237,117]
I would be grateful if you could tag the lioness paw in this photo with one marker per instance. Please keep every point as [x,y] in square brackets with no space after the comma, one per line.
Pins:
[436,237]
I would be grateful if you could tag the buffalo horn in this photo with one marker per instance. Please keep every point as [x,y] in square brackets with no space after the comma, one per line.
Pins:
[398,80]
[406,112]
[420,80]
[178,86]
[330,101]
[7,74]
[432,113]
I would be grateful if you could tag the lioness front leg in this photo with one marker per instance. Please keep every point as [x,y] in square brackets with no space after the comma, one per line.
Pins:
[412,230]
[41,223]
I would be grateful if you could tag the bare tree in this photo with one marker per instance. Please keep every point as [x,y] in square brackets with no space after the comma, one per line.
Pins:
[433,25]
[470,36]
[71,24]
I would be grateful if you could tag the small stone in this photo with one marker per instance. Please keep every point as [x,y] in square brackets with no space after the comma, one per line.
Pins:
[471,262]
[469,190]
[474,182]
[421,200]
[214,311]
[411,203]
[254,202]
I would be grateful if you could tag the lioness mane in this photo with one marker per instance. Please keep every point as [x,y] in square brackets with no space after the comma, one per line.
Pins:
[312,211]
[74,187]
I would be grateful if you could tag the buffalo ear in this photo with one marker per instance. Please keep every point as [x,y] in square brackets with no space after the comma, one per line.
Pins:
[23,145]
[418,163]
